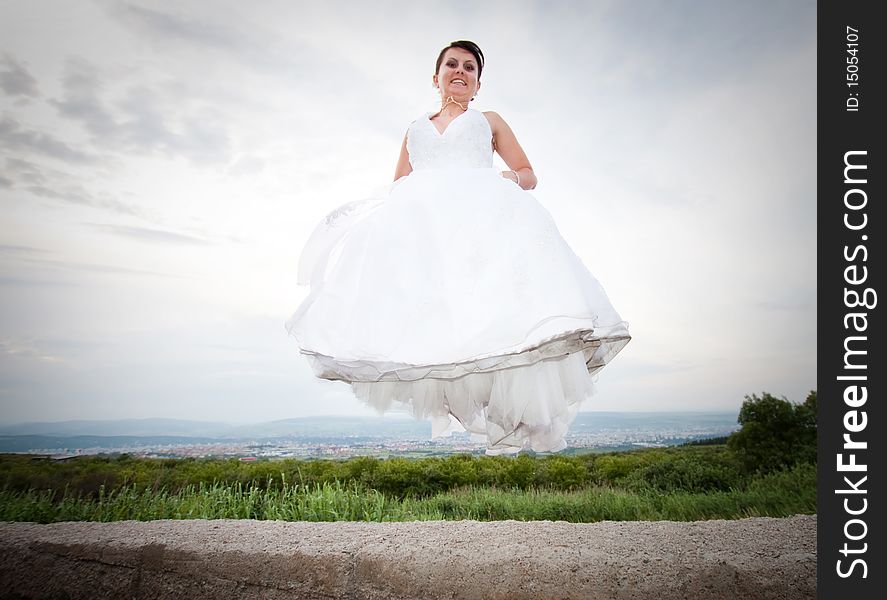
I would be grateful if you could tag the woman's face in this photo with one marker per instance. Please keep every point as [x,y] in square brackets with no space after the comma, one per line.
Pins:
[457,76]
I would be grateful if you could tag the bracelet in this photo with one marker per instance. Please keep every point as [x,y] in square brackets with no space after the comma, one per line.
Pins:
[516,174]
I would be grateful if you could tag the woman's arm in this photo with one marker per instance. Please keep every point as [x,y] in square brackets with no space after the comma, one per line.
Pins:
[403,163]
[505,143]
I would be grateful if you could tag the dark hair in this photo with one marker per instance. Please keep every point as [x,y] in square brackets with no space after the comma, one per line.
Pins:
[465,45]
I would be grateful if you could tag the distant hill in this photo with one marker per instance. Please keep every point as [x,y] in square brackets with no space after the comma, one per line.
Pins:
[301,426]
[26,443]
[600,420]
[327,426]
[386,427]
[681,424]
[116,427]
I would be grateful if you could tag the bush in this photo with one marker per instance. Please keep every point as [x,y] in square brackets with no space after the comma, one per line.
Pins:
[563,473]
[775,433]
[686,474]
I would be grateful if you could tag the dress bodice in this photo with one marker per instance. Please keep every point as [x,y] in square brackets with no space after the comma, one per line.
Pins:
[466,142]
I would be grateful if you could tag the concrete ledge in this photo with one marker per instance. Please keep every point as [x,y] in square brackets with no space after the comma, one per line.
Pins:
[748,558]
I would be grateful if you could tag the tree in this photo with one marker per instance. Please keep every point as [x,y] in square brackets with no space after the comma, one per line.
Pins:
[775,433]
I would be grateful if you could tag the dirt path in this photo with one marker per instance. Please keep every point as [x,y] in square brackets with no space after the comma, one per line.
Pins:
[748,558]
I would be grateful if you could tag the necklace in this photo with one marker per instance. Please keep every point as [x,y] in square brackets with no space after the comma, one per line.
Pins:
[447,102]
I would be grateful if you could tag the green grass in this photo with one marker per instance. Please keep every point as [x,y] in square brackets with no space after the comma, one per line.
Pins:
[703,468]
[672,484]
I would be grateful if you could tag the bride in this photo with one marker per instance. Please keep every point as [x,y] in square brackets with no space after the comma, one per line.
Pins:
[453,294]
[457,77]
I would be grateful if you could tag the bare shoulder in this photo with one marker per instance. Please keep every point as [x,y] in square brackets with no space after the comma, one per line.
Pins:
[495,120]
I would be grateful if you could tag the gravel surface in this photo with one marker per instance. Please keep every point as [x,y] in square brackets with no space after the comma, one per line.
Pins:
[515,560]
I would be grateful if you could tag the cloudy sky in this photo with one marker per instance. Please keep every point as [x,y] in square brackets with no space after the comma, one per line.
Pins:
[162,165]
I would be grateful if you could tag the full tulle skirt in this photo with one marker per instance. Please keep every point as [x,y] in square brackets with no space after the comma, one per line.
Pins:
[454,296]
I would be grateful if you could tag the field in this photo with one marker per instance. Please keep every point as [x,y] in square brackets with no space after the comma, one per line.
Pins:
[680,484]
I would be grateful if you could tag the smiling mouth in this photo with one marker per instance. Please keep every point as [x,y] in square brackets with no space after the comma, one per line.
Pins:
[459,81]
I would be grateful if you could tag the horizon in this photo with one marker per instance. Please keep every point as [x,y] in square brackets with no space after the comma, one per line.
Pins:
[394,416]
[320,436]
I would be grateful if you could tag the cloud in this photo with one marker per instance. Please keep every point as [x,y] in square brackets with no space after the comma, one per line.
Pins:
[97,268]
[10,281]
[682,50]
[19,250]
[25,349]
[46,182]
[75,193]
[141,120]
[199,135]
[253,46]
[146,234]
[15,80]
[37,257]
[277,65]
[81,102]
[75,196]
[246,165]
[25,171]
[172,27]
[18,139]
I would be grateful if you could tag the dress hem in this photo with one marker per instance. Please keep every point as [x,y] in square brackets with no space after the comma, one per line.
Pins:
[598,351]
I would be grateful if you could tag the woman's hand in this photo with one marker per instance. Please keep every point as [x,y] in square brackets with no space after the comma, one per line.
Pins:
[403,162]
[512,175]
[509,149]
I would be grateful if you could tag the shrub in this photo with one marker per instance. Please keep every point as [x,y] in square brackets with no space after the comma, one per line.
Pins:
[686,474]
[563,473]
[775,433]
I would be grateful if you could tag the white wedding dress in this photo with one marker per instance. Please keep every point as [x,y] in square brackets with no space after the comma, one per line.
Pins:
[454,295]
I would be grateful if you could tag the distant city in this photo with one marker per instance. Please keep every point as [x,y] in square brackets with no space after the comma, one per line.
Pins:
[339,437]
